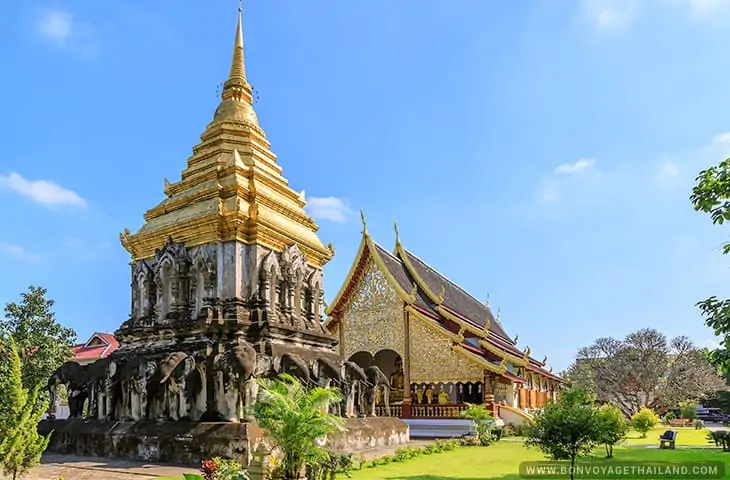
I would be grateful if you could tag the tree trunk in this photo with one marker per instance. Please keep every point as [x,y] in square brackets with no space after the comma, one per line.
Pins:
[572,467]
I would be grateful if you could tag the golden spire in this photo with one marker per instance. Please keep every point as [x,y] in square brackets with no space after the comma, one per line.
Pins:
[364,222]
[237,96]
[397,235]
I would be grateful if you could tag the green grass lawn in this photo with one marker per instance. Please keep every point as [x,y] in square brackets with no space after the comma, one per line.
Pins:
[686,436]
[501,461]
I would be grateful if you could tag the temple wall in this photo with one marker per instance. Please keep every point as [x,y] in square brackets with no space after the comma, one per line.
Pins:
[373,316]
[433,360]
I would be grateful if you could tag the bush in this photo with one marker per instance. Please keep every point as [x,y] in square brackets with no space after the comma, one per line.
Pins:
[688,410]
[698,424]
[406,453]
[644,420]
[566,429]
[483,423]
[668,418]
[612,427]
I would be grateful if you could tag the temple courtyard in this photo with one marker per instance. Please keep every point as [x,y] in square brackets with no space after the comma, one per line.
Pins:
[498,461]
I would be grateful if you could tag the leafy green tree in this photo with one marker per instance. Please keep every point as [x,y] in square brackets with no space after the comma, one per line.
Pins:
[711,194]
[612,427]
[565,429]
[21,445]
[644,420]
[42,342]
[297,420]
[483,422]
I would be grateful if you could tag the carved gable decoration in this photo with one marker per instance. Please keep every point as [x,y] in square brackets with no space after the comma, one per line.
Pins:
[270,267]
[433,360]
[373,316]
[205,260]
[170,254]
[141,270]
[293,262]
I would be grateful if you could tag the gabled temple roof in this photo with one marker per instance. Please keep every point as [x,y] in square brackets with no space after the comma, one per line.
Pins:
[454,297]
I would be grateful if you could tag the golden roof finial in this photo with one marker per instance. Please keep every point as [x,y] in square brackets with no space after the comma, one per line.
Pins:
[364,222]
[487,324]
[237,95]
[397,235]
[517,337]
[499,315]
[544,360]
[527,351]
[487,302]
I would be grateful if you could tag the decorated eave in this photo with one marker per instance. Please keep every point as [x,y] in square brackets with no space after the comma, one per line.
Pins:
[440,304]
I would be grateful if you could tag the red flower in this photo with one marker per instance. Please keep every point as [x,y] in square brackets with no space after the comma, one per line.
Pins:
[208,469]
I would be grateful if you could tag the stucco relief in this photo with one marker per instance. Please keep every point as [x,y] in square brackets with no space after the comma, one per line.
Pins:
[373,317]
[433,360]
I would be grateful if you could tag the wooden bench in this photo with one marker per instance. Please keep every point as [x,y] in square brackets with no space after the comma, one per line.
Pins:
[668,439]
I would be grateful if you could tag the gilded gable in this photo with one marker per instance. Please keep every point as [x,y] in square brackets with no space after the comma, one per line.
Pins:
[433,360]
[373,316]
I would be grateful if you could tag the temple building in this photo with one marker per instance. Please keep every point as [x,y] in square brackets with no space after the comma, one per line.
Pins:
[440,347]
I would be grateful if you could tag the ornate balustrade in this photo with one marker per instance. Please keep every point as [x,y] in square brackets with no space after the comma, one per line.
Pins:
[395,411]
[437,411]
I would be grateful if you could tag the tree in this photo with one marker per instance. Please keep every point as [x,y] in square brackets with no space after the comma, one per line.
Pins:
[612,427]
[711,194]
[565,429]
[644,369]
[296,419]
[644,420]
[21,445]
[42,342]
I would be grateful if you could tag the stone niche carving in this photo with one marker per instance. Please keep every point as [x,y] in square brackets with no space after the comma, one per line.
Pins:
[161,285]
[291,290]
[203,279]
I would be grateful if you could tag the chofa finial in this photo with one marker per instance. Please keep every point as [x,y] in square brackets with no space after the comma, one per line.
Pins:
[499,315]
[517,337]
[488,299]
[364,222]
[397,234]
[544,360]
[441,295]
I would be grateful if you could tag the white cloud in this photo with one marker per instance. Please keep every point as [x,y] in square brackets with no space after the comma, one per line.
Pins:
[702,8]
[577,166]
[55,26]
[711,344]
[610,14]
[47,193]
[328,208]
[63,30]
[18,252]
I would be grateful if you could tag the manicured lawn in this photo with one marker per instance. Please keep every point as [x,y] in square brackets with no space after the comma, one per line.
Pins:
[685,437]
[501,461]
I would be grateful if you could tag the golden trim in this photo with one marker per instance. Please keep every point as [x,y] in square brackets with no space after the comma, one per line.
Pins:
[350,276]
[434,325]
[485,363]
[517,411]
[516,361]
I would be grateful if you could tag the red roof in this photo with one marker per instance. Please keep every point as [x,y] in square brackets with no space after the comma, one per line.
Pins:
[100,345]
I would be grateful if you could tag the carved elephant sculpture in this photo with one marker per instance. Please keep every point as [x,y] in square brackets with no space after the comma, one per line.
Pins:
[74,377]
[234,369]
[354,383]
[101,376]
[376,380]
[325,373]
[294,366]
[133,380]
[173,372]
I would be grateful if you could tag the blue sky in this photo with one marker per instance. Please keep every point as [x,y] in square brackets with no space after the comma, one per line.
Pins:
[541,152]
